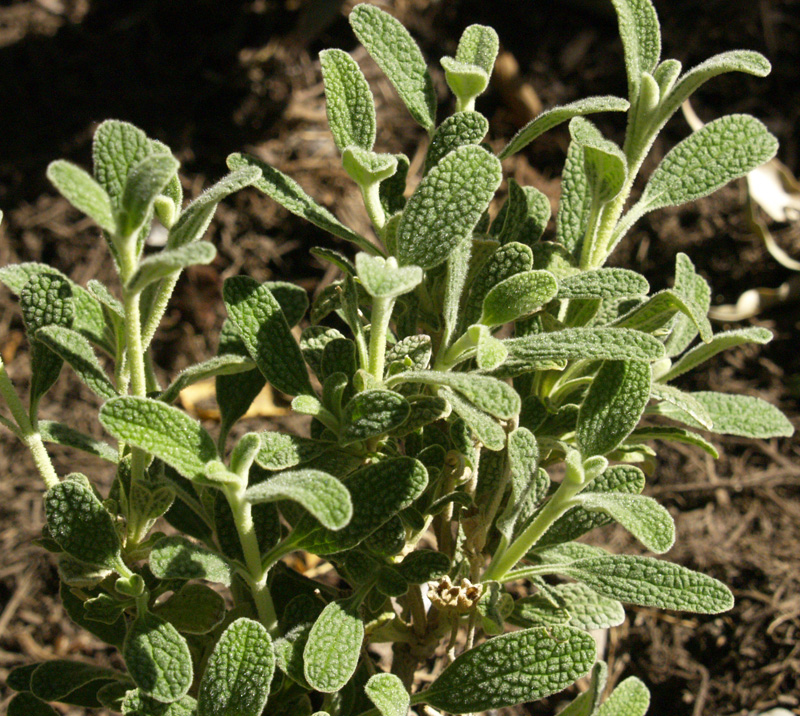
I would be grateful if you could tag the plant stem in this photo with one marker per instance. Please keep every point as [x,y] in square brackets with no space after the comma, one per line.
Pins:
[159,307]
[381,315]
[30,436]
[372,202]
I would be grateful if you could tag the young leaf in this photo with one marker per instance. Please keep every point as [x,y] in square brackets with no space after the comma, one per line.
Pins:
[557,115]
[512,669]
[447,205]
[517,296]
[135,703]
[490,350]
[194,609]
[613,406]
[177,558]
[603,283]
[579,607]
[412,353]
[652,583]
[457,130]
[695,292]
[478,46]
[630,698]
[237,678]
[116,147]
[572,220]
[333,648]
[744,415]
[144,182]
[80,524]
[388,694]
[163,431]
[526,489]
[489,394]
[372,413]
[641,39]
[396,53]
[158,658]
[489,433]
[76,350]
[350,107]
[263,328]
[194,220]
[604,163]
[659,310]
[642,516]
[169,262]
[378,492]
[589,701]
[325,497]
[367,168]
[83,192]
[523,217]
[465,80]
[382,278]
[289,194]
[720,342]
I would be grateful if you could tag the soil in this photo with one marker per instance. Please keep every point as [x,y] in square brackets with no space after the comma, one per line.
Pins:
[210,78]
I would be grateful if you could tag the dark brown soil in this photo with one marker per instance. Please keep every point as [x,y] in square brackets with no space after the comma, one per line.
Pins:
[210,78]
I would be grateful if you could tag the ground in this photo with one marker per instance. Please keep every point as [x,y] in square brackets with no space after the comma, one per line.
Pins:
[210,81]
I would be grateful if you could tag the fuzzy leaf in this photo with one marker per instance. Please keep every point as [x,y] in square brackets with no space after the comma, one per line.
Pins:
[382,278]
[378,492]
[641,39]
[195,609]
[80,524]
[333,648]
[630,698]
[413,352]
[325,497]
[163,431]
[170,261]
[219,365]
[446,206]
[478,46]
[237,678]
[145,181]
[523,217]
[456,131]
[116,148]
[388,694]
[396,53]
[603,283]
[158,658]
[176,557]
[263,328]
[695,292]
[673,434]
[685,406]
[526,489]
[517,296]
[642,516]
[135,703]
[604,163]
[652,583]
[557,115]
[512,669]
[659,310]
[486,428]
[350,107]
[613,406]
[579,607]
[194,220]
[490,350]
[572,220]
[423,565]
[55,680]
[744,415]
[290,195]
[76,350]
[372,413]
[280,451]
[720,342]
[81,190]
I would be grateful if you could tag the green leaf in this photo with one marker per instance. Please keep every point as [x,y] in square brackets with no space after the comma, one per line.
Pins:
[630,698]
[527,490]
[488,394]
[651,583]
[83,192]
[425,409]
[696,294]
[396,53]
[659,310]
[289,194]
[333,648]
[413,352]
[523,217]
[720,342]
[685,405]
[490,350]
[642,516]
[378,492]
[219,365]
[446,206]
[263,328]
[478,46]
[486,428]
[372,413]
[80,524]
[158,658]
[456,131]
[423,565]
[325,497]
[170,261]
[367,168]
[351,109]
[673,434]
[135,703]
[722,150]
[572,220]
[382,278]
[579,607]
[557,115]
[517,296]
[613,406]
[747,61]
[603,283]
[605,165]
[55,680]
[145,181]
[641,39]
[73,605]
[61,434]
[76,350]
[465,80]
[164,431]
[280,451]
[239,672]
[176,557]
[195,218]
[744,415]
[589,701]
[194,609]
[27,704]
[388,694]
[512,669]
[116,148]
[392,196]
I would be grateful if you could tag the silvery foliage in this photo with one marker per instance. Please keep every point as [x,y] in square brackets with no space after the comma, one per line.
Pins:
[484,386]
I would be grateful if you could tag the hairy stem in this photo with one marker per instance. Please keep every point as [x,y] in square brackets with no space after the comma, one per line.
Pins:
[381,315]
